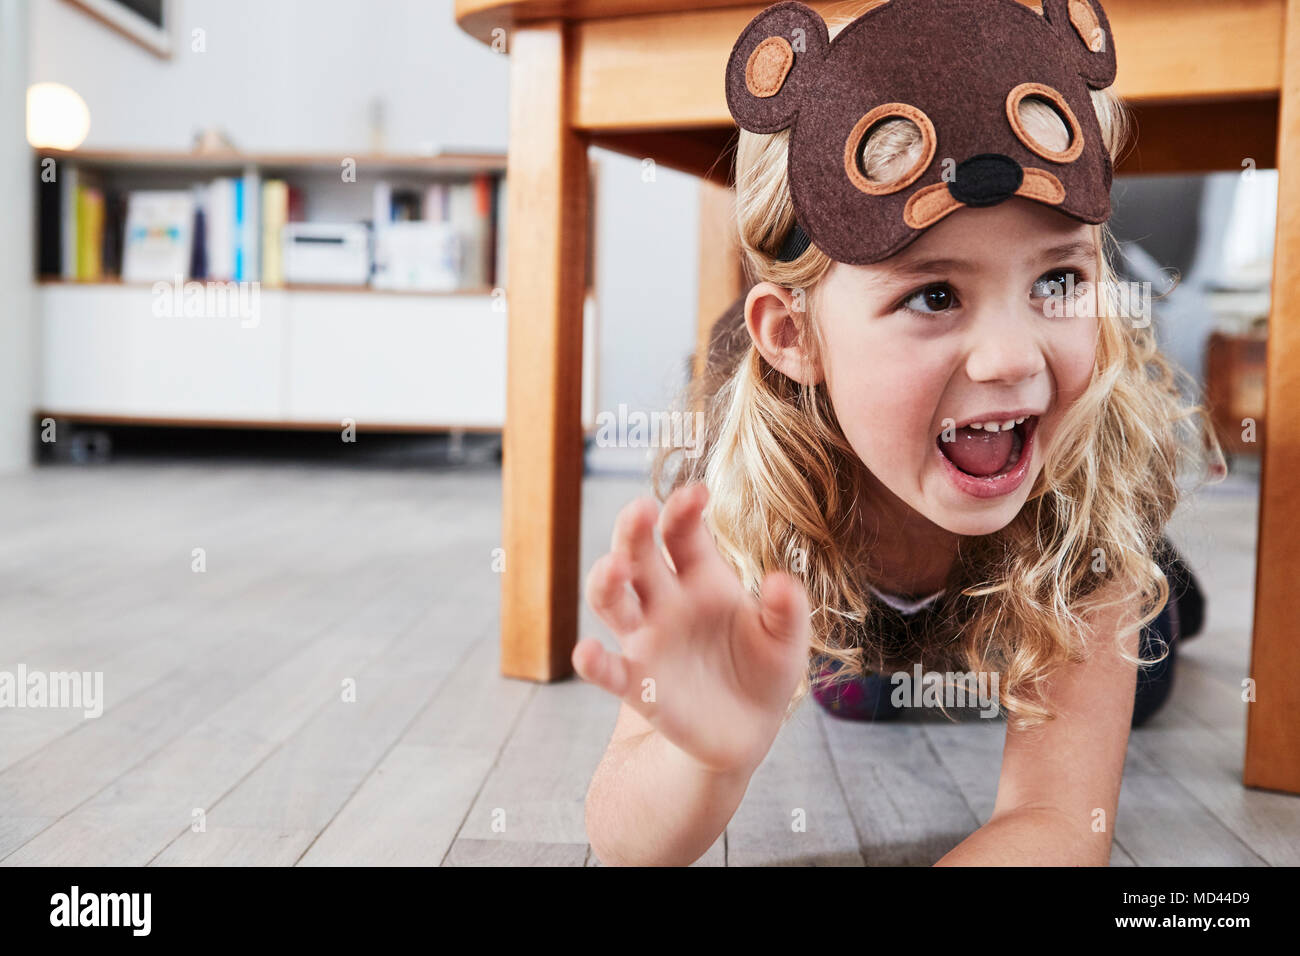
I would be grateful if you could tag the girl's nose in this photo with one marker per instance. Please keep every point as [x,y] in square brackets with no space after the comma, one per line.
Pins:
[1005,353]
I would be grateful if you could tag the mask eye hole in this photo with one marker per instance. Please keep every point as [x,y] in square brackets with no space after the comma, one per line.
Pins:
[1044,122]
[889,148]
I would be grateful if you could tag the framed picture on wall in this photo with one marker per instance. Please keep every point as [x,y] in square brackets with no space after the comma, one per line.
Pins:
[147,22]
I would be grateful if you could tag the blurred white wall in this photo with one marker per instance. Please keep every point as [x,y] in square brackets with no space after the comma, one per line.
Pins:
[281,76]
[647,277]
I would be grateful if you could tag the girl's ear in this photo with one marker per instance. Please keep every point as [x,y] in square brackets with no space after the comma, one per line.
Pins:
[774,316]
[773,64]
[1086,32]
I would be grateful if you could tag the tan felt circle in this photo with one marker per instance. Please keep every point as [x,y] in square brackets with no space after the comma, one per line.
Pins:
[768,66]
[863,126]
[1063,108]
[1085,21]
[927,206]
[1041,185]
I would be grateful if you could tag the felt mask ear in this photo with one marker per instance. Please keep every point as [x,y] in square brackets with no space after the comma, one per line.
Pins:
[773,64]
[1085,30]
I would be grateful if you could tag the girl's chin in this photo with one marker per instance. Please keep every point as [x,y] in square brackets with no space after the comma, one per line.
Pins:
[962,513]
[991,520]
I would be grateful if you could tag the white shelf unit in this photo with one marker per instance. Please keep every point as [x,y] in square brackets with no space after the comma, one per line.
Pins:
[315,356]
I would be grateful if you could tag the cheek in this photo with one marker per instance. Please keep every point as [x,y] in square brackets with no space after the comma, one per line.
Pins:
[1073,361]
[884,399]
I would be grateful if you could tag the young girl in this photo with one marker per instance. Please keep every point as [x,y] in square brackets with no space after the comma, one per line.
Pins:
[933,436]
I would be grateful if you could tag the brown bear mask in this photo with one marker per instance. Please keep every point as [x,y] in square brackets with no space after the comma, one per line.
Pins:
[958,69]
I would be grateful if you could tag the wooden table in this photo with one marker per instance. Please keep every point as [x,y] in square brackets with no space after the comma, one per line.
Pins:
[1214,85]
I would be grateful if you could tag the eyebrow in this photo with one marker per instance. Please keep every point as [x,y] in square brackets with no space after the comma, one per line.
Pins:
[907,267]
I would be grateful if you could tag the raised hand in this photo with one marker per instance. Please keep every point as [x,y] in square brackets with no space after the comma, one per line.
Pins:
[705,663]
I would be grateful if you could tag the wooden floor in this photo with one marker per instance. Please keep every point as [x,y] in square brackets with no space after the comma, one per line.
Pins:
[225,710]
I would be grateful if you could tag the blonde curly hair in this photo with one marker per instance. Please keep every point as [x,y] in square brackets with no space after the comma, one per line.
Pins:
[786,488]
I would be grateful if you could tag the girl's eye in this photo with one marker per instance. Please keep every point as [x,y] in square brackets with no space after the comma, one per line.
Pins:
[933,298]
[939,297]
[1059,283]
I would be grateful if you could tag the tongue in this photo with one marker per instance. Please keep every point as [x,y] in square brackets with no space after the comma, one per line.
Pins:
[978,452]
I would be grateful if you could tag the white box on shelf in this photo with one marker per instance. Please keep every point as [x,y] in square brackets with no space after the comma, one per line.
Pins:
[418,255]
[326,253]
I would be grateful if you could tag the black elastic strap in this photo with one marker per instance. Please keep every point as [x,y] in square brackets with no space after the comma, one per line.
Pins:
[796,244]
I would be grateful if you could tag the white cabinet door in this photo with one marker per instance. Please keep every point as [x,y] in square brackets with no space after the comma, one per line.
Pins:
[299,356]
[396,359]
[132,352]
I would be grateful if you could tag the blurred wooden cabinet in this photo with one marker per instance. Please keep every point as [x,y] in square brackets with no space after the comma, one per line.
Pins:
[1235,379]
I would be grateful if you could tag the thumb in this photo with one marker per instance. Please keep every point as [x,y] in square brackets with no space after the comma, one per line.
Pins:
[783,606]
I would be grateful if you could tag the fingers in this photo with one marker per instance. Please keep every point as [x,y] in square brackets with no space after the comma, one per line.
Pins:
[609,596]
[689,544]
[598,666]
[783,607]
[634,539]
[612,673]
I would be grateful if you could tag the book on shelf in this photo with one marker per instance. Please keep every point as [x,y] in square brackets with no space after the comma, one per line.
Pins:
[275,215]
[199,241]
[433,231]
[116,204]
[297,204]
[499,240]
[159,230]
[494,197]
[435,202]
[237,230]
[49,232]
[249,259]
[90,234]
[381,209]
[70,177]
[219,217]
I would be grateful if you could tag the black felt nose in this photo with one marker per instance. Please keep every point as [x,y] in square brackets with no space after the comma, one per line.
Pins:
[986,179]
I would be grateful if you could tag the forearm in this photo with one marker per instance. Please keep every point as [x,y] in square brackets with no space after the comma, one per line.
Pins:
[650,804]
[1031,836]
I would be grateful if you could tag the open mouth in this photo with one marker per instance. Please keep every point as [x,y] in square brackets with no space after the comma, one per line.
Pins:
[988,453]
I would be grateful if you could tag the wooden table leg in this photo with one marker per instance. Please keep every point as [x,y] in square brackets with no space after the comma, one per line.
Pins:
[1273,722]
[542,462]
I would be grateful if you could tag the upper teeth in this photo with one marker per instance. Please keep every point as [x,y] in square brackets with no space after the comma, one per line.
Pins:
[998,426]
